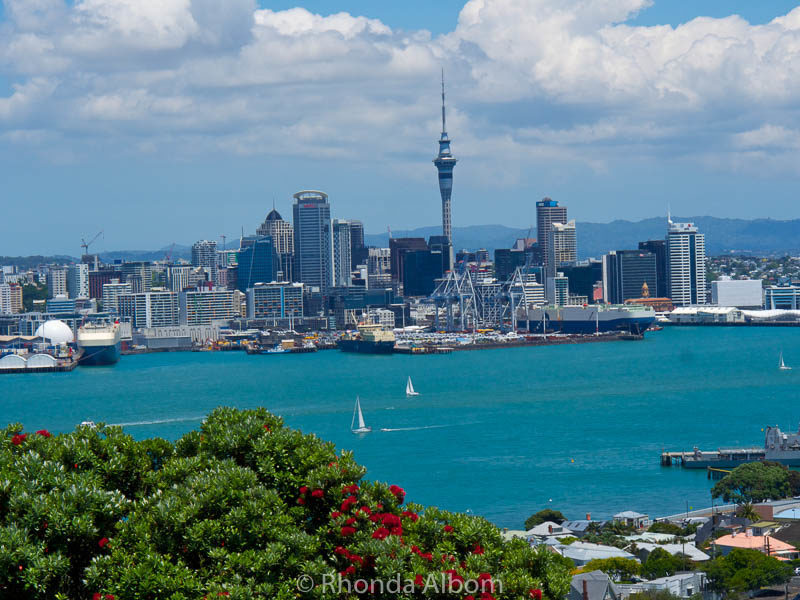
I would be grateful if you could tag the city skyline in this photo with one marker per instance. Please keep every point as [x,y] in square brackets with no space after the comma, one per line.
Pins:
[696,114]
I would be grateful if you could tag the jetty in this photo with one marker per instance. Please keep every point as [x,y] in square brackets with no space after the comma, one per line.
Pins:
[720,459]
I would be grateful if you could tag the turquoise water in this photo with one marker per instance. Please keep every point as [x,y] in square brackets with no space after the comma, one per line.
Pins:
[501,433]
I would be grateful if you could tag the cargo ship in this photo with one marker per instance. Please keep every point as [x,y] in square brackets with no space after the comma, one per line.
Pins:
[369,339]
[588,319]
[98,342]
[779,447]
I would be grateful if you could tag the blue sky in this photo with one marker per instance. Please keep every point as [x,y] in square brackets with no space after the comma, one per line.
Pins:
[174,123]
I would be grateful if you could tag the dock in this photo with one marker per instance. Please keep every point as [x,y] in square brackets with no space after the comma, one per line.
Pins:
[723,458]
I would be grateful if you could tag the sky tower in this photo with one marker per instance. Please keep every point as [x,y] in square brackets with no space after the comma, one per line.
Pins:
[444,164]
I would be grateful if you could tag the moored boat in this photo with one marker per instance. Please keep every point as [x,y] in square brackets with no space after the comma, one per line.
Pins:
[99,343]
[369,339]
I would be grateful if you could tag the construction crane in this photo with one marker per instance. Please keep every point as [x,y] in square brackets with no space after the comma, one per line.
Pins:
[85,245]
[168,255]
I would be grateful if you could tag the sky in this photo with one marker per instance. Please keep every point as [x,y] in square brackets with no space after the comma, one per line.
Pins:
[161,121]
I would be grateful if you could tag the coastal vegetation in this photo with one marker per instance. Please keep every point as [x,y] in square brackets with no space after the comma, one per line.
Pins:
[240,508]
[744,570]
[542,516]
[754,482]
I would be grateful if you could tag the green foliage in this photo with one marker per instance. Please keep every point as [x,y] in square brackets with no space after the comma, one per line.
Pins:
[548,514]
[673,529]
[240,508]
[31,292]
[753,482]
[661,563]
[745,570]
[656,595]
[747,511]
[618,568]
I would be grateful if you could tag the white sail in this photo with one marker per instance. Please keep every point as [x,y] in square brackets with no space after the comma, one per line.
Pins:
[362,427]
[410,388]
[781,365]
[361,423]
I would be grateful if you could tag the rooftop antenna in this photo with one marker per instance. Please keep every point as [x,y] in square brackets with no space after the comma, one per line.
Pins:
[669,215]
[389,229]
[444,127]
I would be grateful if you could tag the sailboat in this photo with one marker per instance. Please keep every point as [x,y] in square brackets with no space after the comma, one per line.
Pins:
[781,365]
[410,388]
[362,427]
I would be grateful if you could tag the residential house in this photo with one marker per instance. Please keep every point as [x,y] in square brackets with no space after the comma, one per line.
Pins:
[582,552]
[764,543]
[632,519]
[682,585]
[594,585]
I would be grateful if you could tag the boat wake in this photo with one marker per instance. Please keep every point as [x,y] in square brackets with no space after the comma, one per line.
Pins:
[157,422]
[414,428]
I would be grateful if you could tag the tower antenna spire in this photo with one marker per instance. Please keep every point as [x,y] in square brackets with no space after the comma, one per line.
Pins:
[444,126]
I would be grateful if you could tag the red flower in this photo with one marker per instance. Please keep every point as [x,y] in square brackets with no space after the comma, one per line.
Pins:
[410,515]
[102,543]
[448,529]
[485,582]
[379,506]
[487,596]
[350,489]
[366,510]
[267,428]
[398,492]
[356,559]
[380,533]
[335,514]
[43,433]
[97,596]
[223,593]
[477,549]
[317,493]
[398,531]
[350,521]
[18,438]
[346,531]
[391,520]
[426,556]
[341,551]
[349,570]
[303,490]
[301,500]
[535,594]
[418,580]
[470,597]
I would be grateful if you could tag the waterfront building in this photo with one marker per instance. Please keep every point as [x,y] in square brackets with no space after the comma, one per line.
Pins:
[97,279]
[421,269]
[397,250]
[282,234]
[445,163]
[204,254]
[625,272]
[150,309]
[583,277]
[10,298]
[440,244]
[379,268]
[61,304]
[547,212]
[112,291]
[783,296]
[203,306]
[358,251]
[178,277]
[257,262]
[342,257]
[561,247]
[57,282]
[741,293]
[686,264]
[557,290]
[659,248]
[78,280]
[313,240]
[139,274]
[381,316]
[275,300]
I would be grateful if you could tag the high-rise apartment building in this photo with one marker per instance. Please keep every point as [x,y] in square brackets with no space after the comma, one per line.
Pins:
[257,262]
[97,279]
[273,301]
[57,282]
[686,264]
[111,293]
[203,306]
[204,254]
[358,251]
[561,247]
[10,298]
[139,274]
[313,240]
[178,277]
[379,268]
[150,309]
[557,290]
[282,234]
[342,253]
[78,280]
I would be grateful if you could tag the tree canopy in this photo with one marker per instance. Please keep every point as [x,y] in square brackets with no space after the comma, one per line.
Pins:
[546,514]
[753,482]
[661,563]
[744,570]
[618,568]
[241,508]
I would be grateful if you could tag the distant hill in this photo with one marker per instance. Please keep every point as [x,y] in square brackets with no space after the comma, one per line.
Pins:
[759,236]
[151,255]
[25,263]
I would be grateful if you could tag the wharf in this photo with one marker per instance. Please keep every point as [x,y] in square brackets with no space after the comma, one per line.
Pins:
[61,366]
[549,340]
[723,458]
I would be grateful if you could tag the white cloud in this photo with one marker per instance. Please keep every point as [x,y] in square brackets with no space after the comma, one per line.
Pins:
[567,80]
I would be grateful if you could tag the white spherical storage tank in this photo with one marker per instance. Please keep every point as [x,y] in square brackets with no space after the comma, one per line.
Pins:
[55,332]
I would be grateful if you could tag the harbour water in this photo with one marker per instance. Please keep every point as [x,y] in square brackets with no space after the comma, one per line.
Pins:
[501,433]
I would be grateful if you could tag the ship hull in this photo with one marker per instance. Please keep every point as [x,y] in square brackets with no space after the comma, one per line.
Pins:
[586,320]
[365,347]
[100,355]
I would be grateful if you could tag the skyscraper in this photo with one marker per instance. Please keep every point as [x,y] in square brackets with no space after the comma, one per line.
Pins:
[659,248]
[686,264]
[547,212]
[204,254]
[358,251]
[57,282]
[282,234]
[257,262]
[78,280]
[625,272]
[342,253]
[561,247]
[313,240]
[445,162]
